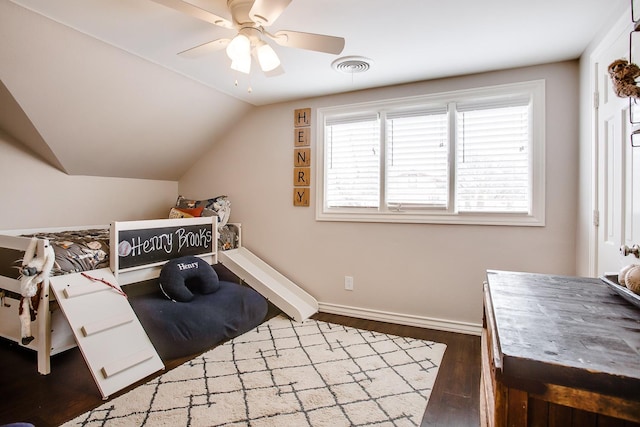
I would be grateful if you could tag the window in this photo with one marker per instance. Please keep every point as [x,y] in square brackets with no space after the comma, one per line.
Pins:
[472,157]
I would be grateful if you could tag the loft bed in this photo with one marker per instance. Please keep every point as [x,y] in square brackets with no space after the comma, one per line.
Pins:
[135,251]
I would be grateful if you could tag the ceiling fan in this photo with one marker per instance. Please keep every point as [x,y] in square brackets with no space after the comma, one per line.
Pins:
[249,19]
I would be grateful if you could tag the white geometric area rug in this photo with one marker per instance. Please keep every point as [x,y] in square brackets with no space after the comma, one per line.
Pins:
[283,374]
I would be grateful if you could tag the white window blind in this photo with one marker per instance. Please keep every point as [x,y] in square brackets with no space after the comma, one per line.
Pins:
[352,162]
[417,166]
[493,168]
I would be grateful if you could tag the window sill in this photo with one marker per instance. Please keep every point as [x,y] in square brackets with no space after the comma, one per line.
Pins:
[520,220]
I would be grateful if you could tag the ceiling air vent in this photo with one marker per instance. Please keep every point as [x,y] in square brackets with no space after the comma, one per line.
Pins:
[351,64]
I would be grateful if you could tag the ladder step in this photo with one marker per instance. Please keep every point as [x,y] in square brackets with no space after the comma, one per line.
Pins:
[103,325]
[126,363]
[84,289]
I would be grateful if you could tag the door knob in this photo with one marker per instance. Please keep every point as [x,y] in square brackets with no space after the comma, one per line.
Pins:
[626,250]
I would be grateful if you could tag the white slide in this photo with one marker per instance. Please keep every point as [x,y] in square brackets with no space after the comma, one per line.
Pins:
[282,292]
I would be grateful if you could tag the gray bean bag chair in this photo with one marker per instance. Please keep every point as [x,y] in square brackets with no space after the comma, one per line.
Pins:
[215,310]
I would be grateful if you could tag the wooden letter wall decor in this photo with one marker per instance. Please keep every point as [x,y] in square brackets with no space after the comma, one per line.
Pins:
[301,156]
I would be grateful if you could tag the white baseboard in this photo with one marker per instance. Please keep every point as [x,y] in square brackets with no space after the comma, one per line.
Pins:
[402,319]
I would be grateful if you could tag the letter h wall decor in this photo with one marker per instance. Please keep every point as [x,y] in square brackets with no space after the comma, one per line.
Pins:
[301,156]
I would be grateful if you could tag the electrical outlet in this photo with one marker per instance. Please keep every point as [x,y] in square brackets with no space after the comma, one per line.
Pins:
[348,283]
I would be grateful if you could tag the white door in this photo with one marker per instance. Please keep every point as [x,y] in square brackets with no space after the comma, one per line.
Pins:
[618,195]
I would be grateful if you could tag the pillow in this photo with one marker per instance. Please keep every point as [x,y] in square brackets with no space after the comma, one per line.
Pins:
[219,206]
[206,204]
[185,212]
[177,213]
[180,276]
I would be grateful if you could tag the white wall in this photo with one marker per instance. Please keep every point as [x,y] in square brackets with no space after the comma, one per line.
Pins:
[37,195]
[432,273]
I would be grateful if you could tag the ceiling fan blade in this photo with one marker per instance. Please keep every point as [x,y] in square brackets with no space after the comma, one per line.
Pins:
[265,12]
[205,48]
[196,12]
[309,41]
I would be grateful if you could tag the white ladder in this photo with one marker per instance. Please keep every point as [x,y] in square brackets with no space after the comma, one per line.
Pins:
[116,348]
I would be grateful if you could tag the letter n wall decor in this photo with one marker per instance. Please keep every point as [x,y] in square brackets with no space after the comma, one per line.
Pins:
[301,156]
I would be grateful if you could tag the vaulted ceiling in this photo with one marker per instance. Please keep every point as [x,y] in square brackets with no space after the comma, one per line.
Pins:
[97,88]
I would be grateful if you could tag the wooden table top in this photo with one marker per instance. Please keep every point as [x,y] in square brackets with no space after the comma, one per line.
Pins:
[570,331]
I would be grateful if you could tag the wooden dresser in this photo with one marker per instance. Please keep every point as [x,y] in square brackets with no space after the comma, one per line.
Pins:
[558,351]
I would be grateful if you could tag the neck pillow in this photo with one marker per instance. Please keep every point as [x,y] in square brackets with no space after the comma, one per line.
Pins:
[180,277]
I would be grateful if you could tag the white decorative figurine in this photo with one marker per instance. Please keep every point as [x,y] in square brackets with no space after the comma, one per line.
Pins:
[32,273]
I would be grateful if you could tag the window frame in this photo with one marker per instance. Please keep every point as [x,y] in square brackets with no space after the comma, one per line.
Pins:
[536,217]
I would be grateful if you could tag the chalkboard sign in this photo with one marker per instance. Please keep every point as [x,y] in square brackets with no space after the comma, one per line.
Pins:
[151,245]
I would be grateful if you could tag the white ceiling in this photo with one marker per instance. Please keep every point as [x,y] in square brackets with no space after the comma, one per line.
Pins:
[95,87]
[406,40]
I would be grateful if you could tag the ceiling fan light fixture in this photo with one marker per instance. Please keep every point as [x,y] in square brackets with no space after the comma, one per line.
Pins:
[242,65]
[239,48]
[267,57]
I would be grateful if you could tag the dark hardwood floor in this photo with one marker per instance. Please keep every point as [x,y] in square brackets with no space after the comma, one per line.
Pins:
[50,400]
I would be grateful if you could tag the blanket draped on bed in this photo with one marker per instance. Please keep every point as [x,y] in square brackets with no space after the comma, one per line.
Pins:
[78,251]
